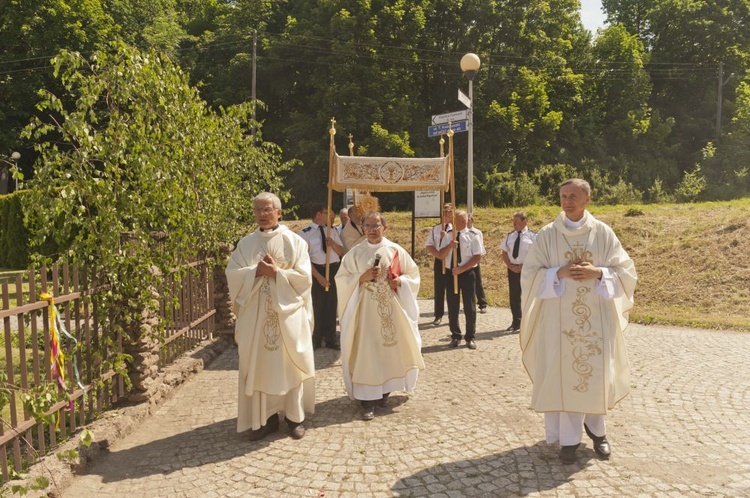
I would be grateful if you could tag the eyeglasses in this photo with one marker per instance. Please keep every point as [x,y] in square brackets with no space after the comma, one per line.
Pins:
[372,227]
[265,210]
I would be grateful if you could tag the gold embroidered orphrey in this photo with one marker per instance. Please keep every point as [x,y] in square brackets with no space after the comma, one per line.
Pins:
[586,342]
[578,253]
[271,326]
[381,292]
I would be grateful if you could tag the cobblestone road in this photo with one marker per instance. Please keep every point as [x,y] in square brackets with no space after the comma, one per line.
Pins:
[467,431]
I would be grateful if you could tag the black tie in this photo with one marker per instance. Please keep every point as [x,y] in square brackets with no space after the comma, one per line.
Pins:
[517,245]
[323,237]
[458,250]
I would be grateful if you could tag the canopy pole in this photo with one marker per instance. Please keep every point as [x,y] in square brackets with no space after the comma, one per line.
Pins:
[331,159]
[453,202]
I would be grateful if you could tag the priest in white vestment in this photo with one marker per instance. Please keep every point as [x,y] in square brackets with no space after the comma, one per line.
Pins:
[378,282]
[577,285]
[269,280]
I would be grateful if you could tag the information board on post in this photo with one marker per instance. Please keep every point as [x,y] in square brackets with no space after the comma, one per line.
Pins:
[427,204]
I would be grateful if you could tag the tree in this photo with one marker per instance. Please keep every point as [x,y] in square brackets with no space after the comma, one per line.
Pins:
[138,153]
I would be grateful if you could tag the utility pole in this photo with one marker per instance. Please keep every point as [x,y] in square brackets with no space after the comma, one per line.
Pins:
[255,46]
[719,98]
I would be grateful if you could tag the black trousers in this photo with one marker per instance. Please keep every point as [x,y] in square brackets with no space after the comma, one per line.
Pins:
[481,298]
[467,290]
[437,271]
[514,291]
[324,307]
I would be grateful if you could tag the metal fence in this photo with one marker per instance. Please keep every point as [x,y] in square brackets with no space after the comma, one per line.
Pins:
[25,317]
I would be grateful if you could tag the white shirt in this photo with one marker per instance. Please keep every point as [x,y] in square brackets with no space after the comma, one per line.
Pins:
[527,240]
[433,239]
[471,245]
[311,234]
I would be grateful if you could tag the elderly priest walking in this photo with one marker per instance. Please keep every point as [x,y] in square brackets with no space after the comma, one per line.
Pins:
[577,284]
[270,279]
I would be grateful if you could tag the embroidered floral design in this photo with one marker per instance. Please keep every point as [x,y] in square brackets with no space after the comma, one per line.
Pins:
[578,253]
[271,326]
[380,291]
[585,341]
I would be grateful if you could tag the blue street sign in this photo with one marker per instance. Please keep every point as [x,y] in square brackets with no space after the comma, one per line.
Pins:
[442,129]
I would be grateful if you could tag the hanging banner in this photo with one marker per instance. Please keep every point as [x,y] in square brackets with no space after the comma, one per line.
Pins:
[388,174]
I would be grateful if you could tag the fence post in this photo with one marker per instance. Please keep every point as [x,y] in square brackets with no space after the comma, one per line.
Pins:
[225,318]
[143,346]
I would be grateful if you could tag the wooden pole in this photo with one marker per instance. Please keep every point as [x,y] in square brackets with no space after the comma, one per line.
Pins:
[331,160]
[442,194]
[453,201]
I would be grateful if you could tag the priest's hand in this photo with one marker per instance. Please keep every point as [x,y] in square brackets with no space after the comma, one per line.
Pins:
[369,275]
[580,271]
[395,283]
[267,267]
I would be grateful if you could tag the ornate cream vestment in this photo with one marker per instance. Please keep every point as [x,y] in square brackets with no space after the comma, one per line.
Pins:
[380,341]
[273,329]
[573,347]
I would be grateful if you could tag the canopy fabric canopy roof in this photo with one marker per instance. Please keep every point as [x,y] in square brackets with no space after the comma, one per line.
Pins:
[389,174]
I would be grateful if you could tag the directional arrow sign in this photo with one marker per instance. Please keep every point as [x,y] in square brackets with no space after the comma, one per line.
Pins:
[450,116]
[442,129]
[465,100]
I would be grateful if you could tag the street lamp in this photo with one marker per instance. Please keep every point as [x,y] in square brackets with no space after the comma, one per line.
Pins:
[4,173]
[15,156]
[469,65]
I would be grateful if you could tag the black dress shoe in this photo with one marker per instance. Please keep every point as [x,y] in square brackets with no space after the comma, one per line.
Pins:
[437,321]
[510,328]
[384,400]
[471,344]
[272,425]
[601,445]
[568,453]
[296,430]
[453,343]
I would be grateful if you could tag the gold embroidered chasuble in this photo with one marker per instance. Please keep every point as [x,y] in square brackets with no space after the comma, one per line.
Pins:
[274,328]
[573,346]
[380,341]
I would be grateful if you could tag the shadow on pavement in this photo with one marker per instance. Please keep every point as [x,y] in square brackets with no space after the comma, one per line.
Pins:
[208,444]
[506,474]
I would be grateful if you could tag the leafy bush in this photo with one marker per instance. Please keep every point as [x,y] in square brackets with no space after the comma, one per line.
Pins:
[657,195]
[691,187]
[549,177]
[504,189]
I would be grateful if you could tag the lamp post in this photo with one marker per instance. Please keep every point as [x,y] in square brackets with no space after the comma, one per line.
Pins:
[469,65]
[15,156]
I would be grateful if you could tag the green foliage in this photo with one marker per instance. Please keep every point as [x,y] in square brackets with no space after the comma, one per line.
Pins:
[14,252]
[39,399]
[138,153]
[657,195]
[504,189]
[549,177]
[691,187]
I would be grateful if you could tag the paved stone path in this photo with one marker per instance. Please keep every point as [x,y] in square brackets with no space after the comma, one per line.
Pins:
[467,431]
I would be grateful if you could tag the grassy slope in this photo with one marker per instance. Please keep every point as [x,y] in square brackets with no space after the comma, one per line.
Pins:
[693,260]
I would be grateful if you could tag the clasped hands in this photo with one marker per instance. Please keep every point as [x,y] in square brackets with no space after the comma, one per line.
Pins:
[580,270]
[266,267]
[372,273]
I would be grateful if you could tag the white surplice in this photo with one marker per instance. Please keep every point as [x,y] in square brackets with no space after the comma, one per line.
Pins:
[273,329]
[572,341]
[380,341]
